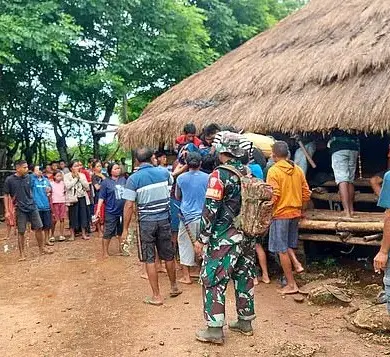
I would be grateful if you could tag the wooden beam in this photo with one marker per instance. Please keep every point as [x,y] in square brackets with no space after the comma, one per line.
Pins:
[79,120]
[335,239]
[369,227]
[328,215]
[360,182]
[335,197]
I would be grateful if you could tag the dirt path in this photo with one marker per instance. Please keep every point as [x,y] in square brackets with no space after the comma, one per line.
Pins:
[74,304]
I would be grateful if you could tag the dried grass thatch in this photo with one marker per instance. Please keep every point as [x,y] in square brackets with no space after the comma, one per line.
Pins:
[326,66]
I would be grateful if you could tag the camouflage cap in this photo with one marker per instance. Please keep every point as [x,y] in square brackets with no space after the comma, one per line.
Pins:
[230,143]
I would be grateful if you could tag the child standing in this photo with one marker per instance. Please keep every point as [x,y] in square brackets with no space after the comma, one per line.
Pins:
[41,191]
[58,204]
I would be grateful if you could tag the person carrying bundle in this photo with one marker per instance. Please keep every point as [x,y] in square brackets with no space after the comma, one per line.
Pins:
[227,241]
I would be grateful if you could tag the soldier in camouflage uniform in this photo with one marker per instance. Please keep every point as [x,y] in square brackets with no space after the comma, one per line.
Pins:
[227,254]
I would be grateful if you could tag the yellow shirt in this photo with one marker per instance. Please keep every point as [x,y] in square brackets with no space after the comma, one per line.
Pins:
[290,189]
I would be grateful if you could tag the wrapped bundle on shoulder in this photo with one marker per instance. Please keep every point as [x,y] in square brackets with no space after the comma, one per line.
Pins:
[256,207]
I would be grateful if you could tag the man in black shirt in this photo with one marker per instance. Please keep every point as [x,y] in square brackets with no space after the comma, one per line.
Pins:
[17,188]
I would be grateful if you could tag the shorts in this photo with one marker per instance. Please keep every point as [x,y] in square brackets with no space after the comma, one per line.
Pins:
[262,240]
[344,165]
[186,243]
[154,235]
[23,217]
[283,234]
[46,219]
[386,282]
[113,226]
[174,208]
[59,211]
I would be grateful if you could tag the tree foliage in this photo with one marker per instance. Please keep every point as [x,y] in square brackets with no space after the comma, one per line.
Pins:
[93,58]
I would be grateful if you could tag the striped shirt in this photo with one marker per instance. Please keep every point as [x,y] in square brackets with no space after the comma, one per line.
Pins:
[149,187]
[245,144]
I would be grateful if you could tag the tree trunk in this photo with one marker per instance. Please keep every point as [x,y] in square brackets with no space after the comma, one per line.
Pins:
[96,145]
[61,143]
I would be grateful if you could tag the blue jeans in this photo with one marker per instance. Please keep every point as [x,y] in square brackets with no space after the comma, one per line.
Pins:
[386,281]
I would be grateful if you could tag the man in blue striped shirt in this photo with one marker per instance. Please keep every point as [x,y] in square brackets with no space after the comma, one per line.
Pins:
[149,188]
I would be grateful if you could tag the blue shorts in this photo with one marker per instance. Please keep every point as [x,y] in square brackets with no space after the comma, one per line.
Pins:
[386,281]
[175,208]
[283,234]
[344,165]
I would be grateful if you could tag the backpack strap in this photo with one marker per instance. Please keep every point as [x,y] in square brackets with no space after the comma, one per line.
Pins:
[232,169]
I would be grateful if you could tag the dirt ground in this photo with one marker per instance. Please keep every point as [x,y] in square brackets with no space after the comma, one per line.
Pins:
[74,304]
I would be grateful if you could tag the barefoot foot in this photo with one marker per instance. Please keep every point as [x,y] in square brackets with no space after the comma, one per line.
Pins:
[265,280]
[289,290]
[185,281]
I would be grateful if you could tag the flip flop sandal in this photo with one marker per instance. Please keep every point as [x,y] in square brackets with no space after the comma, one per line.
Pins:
[149,301]
[175,293]
[50,244]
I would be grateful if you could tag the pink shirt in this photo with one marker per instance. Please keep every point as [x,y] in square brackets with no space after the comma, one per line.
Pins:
[58,192]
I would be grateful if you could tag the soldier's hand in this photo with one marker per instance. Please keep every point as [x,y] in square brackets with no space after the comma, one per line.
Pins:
[380,261]
[198,246]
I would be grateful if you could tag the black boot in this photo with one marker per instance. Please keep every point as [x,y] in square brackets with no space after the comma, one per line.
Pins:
[243,326]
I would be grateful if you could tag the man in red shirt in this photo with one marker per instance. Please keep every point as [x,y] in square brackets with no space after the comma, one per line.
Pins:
[189,136]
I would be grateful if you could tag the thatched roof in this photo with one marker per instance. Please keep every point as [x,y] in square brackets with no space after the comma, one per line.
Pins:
[326,66]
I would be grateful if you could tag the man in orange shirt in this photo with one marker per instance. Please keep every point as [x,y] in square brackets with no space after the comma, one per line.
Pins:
[290,192]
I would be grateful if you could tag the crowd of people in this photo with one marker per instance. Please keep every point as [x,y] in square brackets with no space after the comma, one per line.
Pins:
[185,213]
[43,199]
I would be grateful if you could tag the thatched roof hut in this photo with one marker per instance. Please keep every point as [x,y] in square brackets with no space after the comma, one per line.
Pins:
[326,66]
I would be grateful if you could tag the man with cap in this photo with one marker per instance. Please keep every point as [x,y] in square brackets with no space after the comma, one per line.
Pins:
[227,254]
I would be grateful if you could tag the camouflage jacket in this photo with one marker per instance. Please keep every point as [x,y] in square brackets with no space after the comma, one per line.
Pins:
[223,203]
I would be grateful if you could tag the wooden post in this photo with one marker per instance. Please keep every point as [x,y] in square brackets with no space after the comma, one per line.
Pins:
[308,157]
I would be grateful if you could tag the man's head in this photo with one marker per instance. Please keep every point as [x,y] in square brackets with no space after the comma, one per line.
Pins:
[229,147]
[54,166]
[21,167]
[193,160]
[37,171]
[209,133]
[123,161]
[48,169]
[161,158]
[190,132]
[280,151]
[62,164]
[114,170]
[144,154]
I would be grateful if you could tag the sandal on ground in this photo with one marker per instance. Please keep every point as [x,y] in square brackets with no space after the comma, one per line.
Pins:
[52,239]
[61,238]
[49,243]
[150,301]
[175,293]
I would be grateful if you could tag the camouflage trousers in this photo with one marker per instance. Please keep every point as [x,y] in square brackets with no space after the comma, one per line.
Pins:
[222,263]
